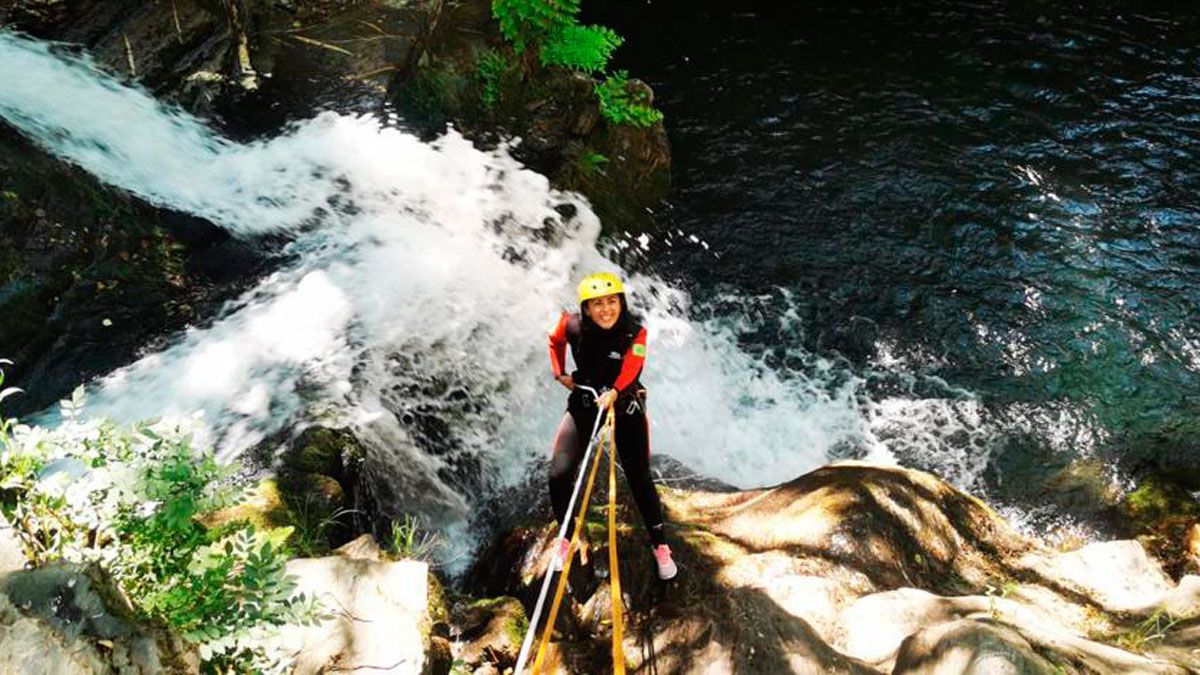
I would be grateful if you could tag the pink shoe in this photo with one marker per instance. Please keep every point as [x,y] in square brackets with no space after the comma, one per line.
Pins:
[666,566]
[560,556]
[564,550]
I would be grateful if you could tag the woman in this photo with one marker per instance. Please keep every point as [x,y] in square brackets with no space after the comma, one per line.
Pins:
[608,345]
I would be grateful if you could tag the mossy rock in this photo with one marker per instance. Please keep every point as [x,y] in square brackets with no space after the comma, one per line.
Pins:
[322,450]
[310,495]
[492,631]
[263,507]
[1156,499]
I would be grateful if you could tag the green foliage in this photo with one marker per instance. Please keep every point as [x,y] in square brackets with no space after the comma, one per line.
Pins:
[1154,628]
[528,22]
[592,163]
[1156,498]
[586,48]
[408,541]
[619,106]
[312,523]
[492,67]
[552,26]
[439,90]
[129,498]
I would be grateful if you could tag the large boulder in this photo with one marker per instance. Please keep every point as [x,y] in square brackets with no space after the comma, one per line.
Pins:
[858,568]
[69,618]
[379,612]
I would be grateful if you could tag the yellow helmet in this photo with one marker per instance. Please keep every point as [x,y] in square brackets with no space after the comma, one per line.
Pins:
[599,285]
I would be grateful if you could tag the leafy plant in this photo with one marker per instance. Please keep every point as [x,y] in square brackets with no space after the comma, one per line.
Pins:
[129,498]
[528,22]
[591,163]
[492,67]
[619,106]
[553,28]
[585,48]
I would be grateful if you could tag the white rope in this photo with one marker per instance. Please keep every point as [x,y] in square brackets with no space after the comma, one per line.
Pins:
[527,644]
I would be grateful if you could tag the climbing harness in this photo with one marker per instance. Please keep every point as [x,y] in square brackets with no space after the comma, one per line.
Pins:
[618,623]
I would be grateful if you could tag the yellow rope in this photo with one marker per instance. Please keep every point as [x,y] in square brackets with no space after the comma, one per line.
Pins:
[562,579]
[614,568]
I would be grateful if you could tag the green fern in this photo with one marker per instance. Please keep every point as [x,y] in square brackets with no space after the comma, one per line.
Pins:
[585,48]
[525,22]
[619,106]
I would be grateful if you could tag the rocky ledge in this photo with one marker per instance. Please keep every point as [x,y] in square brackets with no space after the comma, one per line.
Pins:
[859,568]
[853,568]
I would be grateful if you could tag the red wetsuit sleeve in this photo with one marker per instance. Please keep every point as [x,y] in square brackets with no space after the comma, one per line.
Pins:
[631,365]
[558,345]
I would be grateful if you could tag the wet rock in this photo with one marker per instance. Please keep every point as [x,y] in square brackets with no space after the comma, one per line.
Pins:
[1162,514]
[854,338]
[89,275]
[256,62]
[71,617]
[322,450]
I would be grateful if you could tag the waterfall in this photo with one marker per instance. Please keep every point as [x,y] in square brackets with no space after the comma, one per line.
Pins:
[420,279]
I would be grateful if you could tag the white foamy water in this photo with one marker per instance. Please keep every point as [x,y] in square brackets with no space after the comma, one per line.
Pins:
[424,277]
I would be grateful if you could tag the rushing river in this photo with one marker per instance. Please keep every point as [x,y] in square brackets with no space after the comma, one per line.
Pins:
[951,236]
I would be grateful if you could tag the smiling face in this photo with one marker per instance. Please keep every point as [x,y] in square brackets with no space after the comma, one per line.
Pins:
[604,311]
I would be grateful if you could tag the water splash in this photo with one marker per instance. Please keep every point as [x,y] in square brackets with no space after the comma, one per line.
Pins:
[421,278]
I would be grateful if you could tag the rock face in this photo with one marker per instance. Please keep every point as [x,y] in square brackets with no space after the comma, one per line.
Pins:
[68,619]
[380,612]
[856,568]
[215,56]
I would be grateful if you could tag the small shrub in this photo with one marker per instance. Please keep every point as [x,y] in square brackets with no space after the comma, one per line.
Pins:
[492,67]
[619,106]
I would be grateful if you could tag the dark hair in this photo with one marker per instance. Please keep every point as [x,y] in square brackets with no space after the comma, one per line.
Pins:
[625,322]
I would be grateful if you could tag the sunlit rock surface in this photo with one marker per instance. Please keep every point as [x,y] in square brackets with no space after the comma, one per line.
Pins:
[379,612]
[858,568]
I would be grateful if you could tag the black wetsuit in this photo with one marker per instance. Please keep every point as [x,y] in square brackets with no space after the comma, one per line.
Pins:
[604,359]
